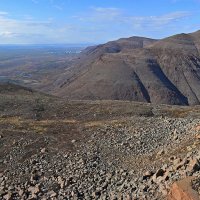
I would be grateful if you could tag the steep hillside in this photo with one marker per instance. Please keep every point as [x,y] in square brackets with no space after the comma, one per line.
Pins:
[139,69]
[179,59]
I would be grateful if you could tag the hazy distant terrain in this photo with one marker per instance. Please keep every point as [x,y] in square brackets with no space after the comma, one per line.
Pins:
[33,64]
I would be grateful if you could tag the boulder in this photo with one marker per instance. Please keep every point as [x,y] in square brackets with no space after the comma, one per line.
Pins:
[182,190]
[178,165]
[194,165]
[43,150]
[147,175]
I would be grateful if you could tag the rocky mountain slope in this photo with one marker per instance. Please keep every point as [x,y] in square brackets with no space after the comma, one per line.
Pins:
[51,148]
[139,69]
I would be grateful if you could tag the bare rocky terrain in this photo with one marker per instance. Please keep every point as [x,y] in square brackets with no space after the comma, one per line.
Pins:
[140,69]
[122,130]
[51,148]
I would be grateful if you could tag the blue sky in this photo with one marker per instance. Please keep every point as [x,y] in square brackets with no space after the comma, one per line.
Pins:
[94,21]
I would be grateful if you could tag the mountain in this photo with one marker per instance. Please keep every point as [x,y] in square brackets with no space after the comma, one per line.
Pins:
[163,71]
[117,46]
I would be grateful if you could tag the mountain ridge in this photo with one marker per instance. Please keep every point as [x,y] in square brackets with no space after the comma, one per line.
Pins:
[165,71]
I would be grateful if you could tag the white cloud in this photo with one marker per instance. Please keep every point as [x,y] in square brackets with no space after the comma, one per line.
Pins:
[116,15]
[158,21]
[3,13]
[7,34]
[23,30]
[106,18]
[100,14]
[58,7]
[96,25]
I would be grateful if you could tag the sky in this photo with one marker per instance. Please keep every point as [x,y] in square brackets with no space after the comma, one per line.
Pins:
[94,21]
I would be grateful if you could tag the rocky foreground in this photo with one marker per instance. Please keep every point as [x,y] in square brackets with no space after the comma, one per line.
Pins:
[139,158]
[56,149]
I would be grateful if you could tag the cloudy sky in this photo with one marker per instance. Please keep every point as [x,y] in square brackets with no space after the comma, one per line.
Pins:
[94,21]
